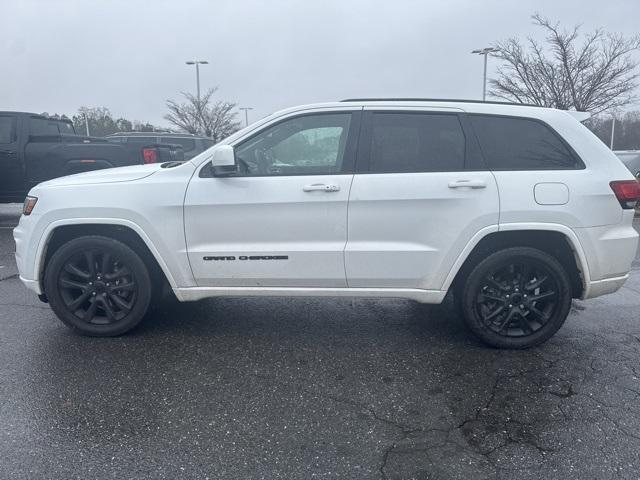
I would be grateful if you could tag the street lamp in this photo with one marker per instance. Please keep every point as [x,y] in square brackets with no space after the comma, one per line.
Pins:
[197,63]
[485,51]
[613,129]
[246,114]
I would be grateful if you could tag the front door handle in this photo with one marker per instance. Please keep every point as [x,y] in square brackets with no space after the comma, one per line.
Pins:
[468,184]
[314,187]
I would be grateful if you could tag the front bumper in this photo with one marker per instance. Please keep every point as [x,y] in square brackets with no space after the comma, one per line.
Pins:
[27,238]
[32,285]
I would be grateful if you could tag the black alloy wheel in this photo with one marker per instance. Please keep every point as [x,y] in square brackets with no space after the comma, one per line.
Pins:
[98,286]
[517,298]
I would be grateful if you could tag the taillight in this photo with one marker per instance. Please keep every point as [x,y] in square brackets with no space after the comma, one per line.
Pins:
[627,192]
[150,155]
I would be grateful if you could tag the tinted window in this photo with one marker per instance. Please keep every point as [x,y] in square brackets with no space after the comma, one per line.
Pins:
[416,142]
[43,127]
[7,129]
[66,128]
[142,140]
[188,144]
[308,145]
[521,144]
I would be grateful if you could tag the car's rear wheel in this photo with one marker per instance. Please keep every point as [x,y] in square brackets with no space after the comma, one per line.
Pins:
[516,298]
[98,286]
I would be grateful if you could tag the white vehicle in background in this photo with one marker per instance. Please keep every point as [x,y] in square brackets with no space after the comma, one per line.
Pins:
[631,160]
[515,209]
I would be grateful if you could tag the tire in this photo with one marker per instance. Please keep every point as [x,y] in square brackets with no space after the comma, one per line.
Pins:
[98,286]
[516,298]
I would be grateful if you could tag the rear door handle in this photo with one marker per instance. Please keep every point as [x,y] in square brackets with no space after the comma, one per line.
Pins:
[468,184]
[314,187]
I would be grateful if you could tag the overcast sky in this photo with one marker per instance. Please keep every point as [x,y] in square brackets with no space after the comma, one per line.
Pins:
[128,55]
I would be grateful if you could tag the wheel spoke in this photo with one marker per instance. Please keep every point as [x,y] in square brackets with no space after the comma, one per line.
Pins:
[548,294]
[124,287]
[106,257]
[120,302]
[75,304]
[91,311]
[539,314]
[66,283]
[74,270]
[88,255]
[537,284]
[526,325]
[107,308]
[483,297]
[495,283]
[123,272]
[524,275]
[495,313]
[506,321]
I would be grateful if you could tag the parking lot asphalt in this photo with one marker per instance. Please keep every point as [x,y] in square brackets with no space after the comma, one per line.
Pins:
[315,388]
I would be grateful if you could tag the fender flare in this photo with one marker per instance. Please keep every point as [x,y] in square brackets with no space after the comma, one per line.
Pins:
[48,232]
[574,243]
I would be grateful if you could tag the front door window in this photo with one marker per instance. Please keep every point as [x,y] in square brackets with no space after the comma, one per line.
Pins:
[307,145]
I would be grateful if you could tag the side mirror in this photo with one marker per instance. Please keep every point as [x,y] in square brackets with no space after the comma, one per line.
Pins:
[223,161]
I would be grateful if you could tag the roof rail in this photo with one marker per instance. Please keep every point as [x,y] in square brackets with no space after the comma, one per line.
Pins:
[452,100]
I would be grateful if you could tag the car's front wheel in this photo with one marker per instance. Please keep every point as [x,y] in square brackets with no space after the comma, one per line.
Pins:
[98,286]
[516,298]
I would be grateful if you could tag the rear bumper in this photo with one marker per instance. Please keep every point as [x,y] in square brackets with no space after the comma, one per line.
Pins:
[598,288]
[609,252]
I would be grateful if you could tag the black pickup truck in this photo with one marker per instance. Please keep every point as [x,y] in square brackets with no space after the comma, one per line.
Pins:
[35,148]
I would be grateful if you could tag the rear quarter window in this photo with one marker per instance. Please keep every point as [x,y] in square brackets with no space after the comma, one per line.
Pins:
[514,143]
[187,144]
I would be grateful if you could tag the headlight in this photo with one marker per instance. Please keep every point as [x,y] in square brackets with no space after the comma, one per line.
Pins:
[28,205]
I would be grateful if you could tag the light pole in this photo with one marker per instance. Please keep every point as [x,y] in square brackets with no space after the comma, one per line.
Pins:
[613,130]
[86,123]
[485,51]
[197,63]
[246,114]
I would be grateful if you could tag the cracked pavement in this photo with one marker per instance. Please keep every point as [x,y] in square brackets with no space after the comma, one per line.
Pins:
[315,388]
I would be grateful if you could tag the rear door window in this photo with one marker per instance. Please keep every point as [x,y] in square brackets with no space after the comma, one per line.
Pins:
[416,142]
[513,143]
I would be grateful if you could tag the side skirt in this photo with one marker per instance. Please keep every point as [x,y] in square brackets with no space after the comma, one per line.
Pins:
[197,293]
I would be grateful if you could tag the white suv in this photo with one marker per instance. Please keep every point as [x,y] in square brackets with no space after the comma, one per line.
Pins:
[515,209]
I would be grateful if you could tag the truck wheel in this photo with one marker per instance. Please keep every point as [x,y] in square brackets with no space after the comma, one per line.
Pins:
[516,298]
[98,286]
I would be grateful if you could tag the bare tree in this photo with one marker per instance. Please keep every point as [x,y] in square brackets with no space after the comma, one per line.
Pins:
[216,120]
[594,75]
